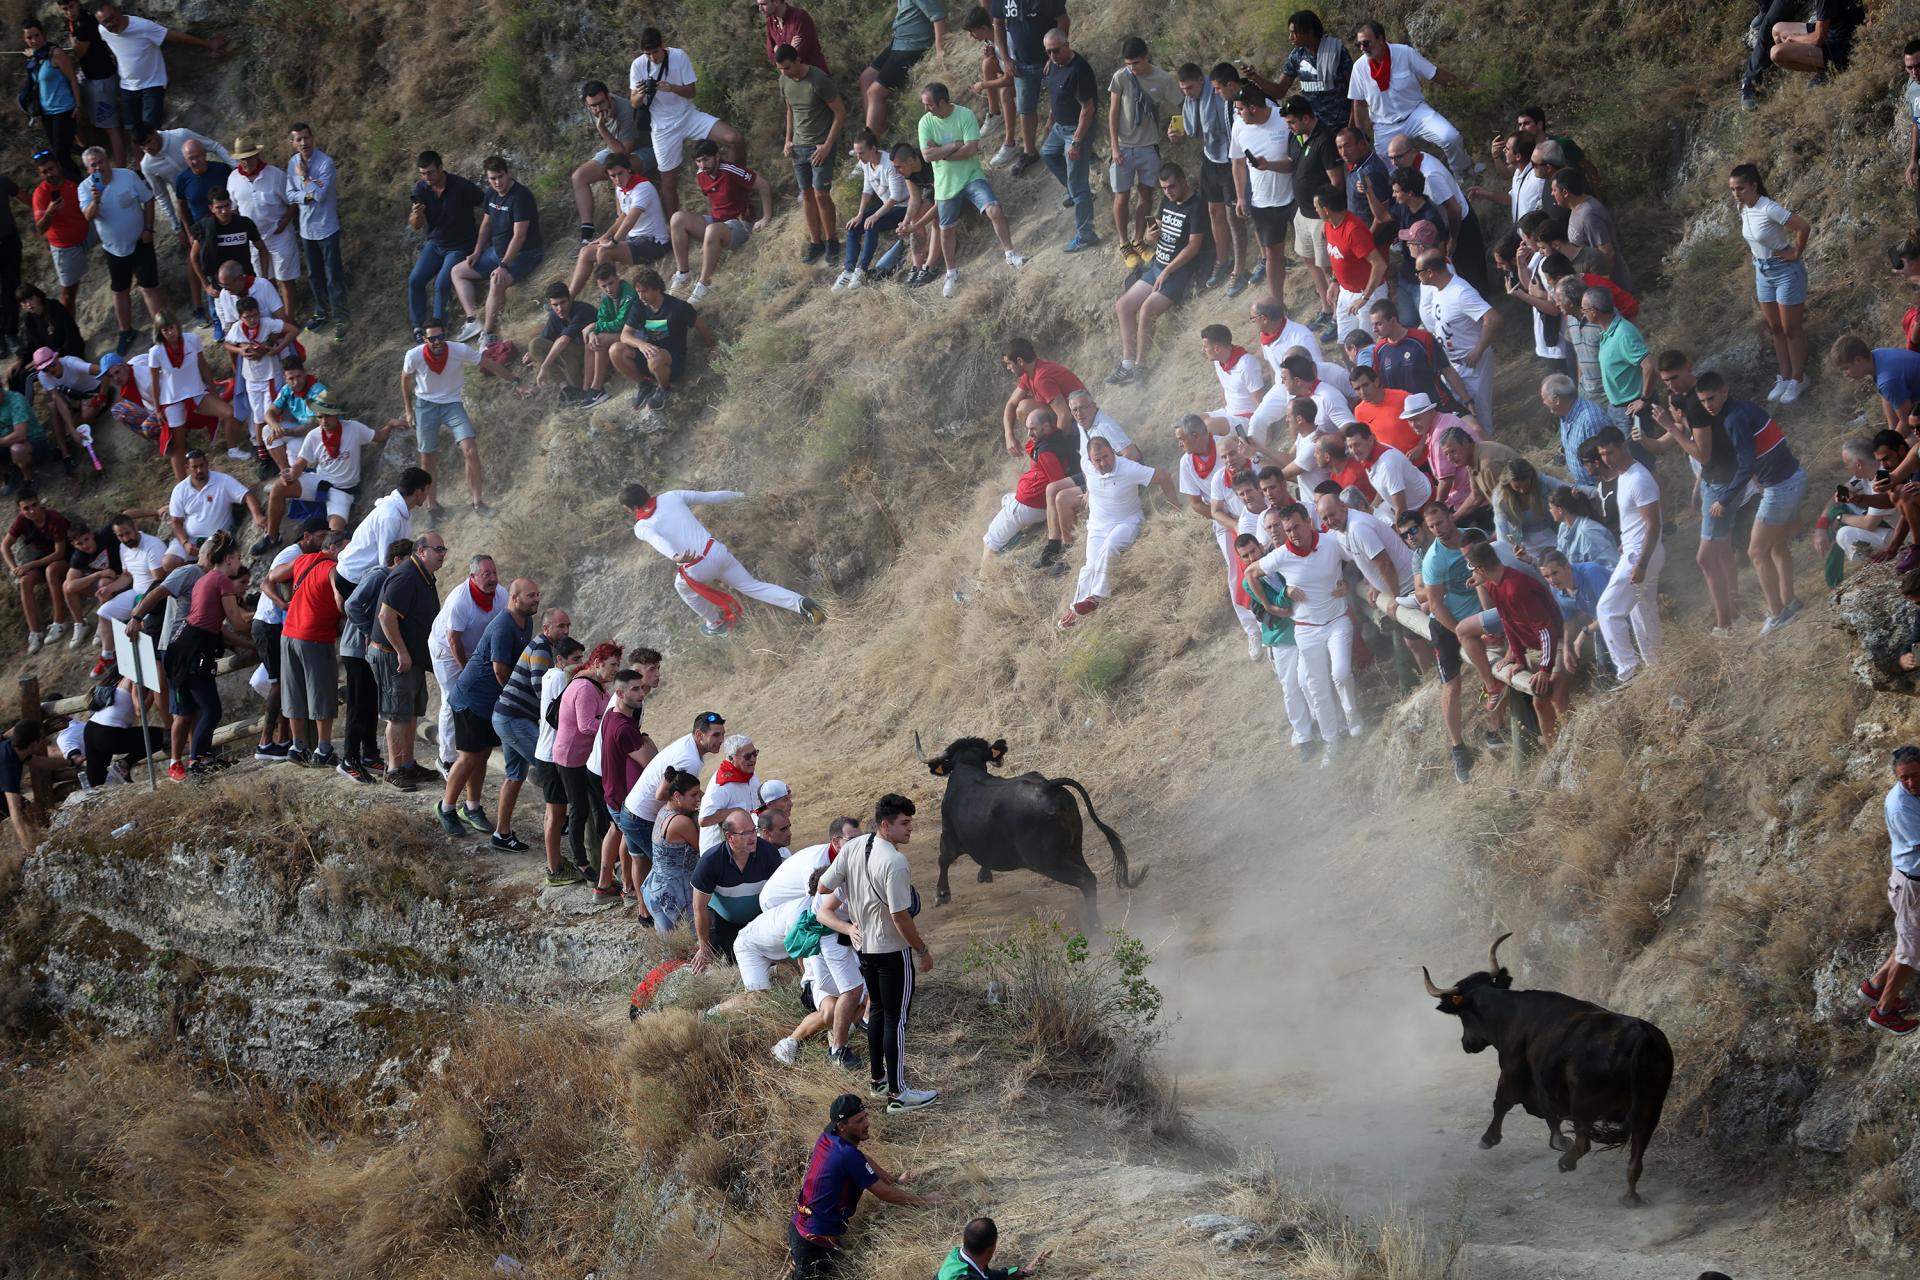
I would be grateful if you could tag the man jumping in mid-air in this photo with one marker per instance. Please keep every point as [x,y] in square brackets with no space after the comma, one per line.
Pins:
[665,522]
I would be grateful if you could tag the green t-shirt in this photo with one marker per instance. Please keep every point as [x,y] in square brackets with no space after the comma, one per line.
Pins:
[808,97]
[1620,353]
[16,409]
[1446,568]
[1275,628]
[950,177]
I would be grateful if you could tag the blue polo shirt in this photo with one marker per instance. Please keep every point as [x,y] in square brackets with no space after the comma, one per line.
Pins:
[836,1175]
[734,891]
[1896,372]
[194,189]
[477,689]
[1589,580]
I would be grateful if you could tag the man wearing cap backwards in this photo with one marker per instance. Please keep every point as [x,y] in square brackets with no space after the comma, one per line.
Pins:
[259,191]
[326,467]
[665,522]
[837,1172]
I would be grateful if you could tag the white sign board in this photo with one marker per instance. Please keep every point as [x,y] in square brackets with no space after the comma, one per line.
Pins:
[136,655]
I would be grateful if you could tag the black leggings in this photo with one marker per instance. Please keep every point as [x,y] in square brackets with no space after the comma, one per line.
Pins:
[809,1261]
[889,978]
[585,813]
[363,700]
[103,742]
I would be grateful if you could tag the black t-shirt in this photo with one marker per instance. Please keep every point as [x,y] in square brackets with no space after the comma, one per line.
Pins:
[222,243]
[409,593]
[98,64]
[1404,218]
[53,327]
[518,205]
[1311,161]
[452,213]
[1069,88]
[105,555]
[1180,223]
[573,324]
[1028,22]
[666,328]
[11,769]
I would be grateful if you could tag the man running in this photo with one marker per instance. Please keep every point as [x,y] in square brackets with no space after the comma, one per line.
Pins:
[666,523]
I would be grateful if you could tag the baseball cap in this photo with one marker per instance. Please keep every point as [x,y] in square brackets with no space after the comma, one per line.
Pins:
[1421,233]
[1417,403]
[109,360]
[244,148]
[773,790]
[44,357]
[845,1107]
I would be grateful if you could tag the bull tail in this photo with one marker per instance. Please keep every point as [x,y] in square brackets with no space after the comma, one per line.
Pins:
[1113,838]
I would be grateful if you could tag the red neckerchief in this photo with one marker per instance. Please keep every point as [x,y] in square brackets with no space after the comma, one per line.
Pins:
[257,163]
[251,332]
[1381,68]
[1304,552]
[646,512]
[1270,336]
[637,180]
[482,598]
[176,351]
[331,441]
[438,366]
[1204,467]
[730,772]
[1233,358]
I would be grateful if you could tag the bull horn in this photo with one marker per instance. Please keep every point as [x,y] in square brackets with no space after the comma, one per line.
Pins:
[1434,991]
[917,749]
[1493,952]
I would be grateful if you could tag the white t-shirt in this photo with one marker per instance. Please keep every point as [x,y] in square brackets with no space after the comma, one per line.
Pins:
[669,109]
[459,612]
[263,197]
[1317,573]
[1292,334]
[1331,408]
[643,801]
[267,611]
[443,387]
[1366,537]
[1103,428]
[645,197]
[1441,188]
[69,374]
[260,289]
[1242,385]
[1393,472]
[1192,483]
[342,472]
[136,48]
[266,368]
[121,715]
[207,511]
[1335,376]
[790,881]
[142,560]
[1266,188]
[1312,474]
[1245,519]
[182,381]
[553,683]
[1527,190]
[1637,489]
[1452,314]
[1115,498]
[731,795]
[881,180]
[1764,225]
[1402,96]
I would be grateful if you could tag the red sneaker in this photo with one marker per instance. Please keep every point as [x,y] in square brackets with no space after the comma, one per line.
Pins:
[176,772]
[100,665]
[1871,995]
[1896,1023]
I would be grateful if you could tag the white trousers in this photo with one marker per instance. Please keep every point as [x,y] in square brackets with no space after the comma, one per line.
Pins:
[1326,673]
[1014,515]
[722,570]
[445,672]
[1629,615]
[1479,380]
[1858,544]
[1103,544]
[1234,568]
[1362,319]
[1286,665]
[1269,421]
[1425,125]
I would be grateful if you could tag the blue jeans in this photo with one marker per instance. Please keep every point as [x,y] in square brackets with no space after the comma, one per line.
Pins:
[328,274]
[518,738]
[863,243]
[143,106]
[1071,174]
[434,265]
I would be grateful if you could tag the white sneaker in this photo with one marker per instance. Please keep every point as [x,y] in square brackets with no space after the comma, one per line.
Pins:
[77,639]
[912,1099]
[1015,260]
[839,282]
[952,286]
[856,278]
[470,331]
[680,280]
[1790,392]
[1255,650]
[1779,388]
[787,1052]
[56,632]
[35,642]
[1006,155]
[699,294]
[240,455]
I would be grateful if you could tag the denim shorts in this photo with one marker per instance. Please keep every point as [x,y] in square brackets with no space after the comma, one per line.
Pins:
[1026,87]
[1490,624]
[978,193]
[1780,282]
[811,176]
[1717,528]
[1780,503]
[518,737]
[429,416]
[1134,164]
[637,831]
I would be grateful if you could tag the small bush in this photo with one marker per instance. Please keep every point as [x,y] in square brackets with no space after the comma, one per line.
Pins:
[842,427]
[504,73]
[1099,663]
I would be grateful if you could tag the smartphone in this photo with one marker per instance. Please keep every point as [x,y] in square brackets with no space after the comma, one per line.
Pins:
[1883,474]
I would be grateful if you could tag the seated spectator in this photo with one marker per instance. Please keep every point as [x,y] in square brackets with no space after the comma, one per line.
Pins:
[327,468]
[663,84]
[26,440]
[1577,587]
[916,239]
[1530,619]
[1053,458]
[656,332]
[43,323]
[443,206]
[1180,261]
[730,189]
[994,88]
[1814,46]
[76,393]
[291,411]
[918,25]
[35,551]
[558,354]
[508,247]
[202,504]
[884,199]
[623,131]
[639,231]
[93,558]
[1520,514]
[617,302]
[1859,529]
[1581,537]
[726,888]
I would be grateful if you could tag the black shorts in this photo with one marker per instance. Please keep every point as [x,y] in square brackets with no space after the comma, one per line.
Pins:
[266,642]
[1216,182]
[1446,650]
[139,267]
[1273,224]
[890,65]
[553,788]
[1179,283]
[473,732]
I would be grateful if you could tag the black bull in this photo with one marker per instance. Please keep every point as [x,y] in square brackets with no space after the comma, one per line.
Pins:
[1029,822]
[1565,1061]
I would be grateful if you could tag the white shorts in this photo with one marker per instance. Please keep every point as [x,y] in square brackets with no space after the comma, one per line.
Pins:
[668,141]
[259,396]
[339,501]
[756,958]
[282,257]
[836,970]
[176,413]
[1233,415]
[178,550]
[1014,516]
[120,607]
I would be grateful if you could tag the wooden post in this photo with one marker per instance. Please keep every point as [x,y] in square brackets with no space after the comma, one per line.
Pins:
[39,780]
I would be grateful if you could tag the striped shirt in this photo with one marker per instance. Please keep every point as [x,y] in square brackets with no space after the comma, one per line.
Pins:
[520,698]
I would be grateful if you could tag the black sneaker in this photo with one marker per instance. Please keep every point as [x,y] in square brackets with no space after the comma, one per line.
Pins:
[263,544]
[658,400]
[586,233]
[1306,752]
[449,821]
[1121,375]
[298,755]
[834,248]
[352,769]
[1048,554]
[814,252]
[275,752]
[588,399]
[1462,764]
[508,841]
[399,781]
[920,276]
[1023,162]
[124,343]
[325,758]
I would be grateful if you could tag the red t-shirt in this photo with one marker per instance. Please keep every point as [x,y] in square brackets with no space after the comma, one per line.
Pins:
[67,230]
[1348,247]
[727,190]
[1030,490]
[1049,382]
[1528,614]
[207,611]
[39,538]
[1384,420]
[313,615]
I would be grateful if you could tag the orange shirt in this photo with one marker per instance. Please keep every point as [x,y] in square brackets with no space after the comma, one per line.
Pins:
[1384,420]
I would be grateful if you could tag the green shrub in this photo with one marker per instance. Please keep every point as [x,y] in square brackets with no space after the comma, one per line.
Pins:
[841,428]
[1099,663]
[505,75]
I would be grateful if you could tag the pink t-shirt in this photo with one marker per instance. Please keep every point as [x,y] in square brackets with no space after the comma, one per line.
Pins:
[580,709]
[1452,485]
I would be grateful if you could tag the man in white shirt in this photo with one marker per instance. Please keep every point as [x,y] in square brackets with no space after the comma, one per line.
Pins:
[733,789]
[457,629]
[259,191]
[1398,485]
[638,233]
[1313,565]
[1066,499]
[136,45]
[662,80]
[254,342]
[119,207]
[390,520]
[202,505]
[163,159]
[1203,481]
[432,378]
[313,191]
[1464,325]
[1387,99]
[1115,508]
[1243,380]
[1629,609]
[1280,333]
[1299,379]
[839,992]
[1465,242]
[1263,179]
[236,284]
[666,523]
[326,468]
[141,557]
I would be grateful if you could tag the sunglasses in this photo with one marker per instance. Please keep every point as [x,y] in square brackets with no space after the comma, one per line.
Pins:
[40,156]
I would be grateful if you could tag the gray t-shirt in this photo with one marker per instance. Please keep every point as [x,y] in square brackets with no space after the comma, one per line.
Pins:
[1591,225]
[872,878]
[179,585]
[1145,103]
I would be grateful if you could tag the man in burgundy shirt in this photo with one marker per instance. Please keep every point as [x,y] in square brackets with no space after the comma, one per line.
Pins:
[1530,618]
[790,24]
[624,753]
[1038,384]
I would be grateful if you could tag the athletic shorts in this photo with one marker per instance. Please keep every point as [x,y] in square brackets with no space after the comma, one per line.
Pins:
[646,249]
[69,265]
[1178,285]
[670,141]
[403,694]
[339,501]
[890,65]
[641,156]
[1013,517]
[310,688]
[1490,624]
[553,789]
[1446,650]
[739,231]
[524,263]
[836,970]
[102,100]
[139,267]
[1272,224]
[1134,165]
[978,193]
[429,416]
[266,643]
[473,732]
[1216,182]
[1310,241]
[808,175]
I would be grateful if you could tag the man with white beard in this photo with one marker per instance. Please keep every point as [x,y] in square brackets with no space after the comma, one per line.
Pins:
[1313,566]
[1115,507]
